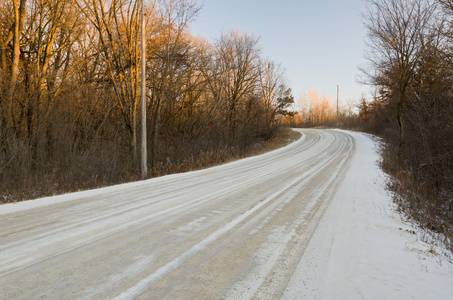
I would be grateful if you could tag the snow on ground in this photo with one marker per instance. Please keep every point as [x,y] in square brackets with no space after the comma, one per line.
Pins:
[363,249]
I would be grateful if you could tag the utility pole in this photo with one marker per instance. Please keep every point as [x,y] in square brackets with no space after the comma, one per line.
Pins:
[338,92]
[144,164]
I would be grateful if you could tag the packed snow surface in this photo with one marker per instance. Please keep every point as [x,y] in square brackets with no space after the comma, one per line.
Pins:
[309,221]
[363,249]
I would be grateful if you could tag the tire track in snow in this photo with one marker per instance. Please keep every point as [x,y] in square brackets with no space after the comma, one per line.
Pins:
[285,195]
[249,195]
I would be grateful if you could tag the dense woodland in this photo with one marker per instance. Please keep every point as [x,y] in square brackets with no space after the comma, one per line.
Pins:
[411,67]
[70,93]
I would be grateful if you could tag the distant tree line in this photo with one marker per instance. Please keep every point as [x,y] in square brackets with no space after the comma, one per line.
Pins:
[70,91]
[411,66]
[314,110]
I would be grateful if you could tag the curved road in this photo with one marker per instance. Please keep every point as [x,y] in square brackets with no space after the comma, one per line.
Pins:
[235,231]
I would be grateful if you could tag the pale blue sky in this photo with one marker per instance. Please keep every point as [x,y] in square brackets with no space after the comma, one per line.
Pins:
[320,43]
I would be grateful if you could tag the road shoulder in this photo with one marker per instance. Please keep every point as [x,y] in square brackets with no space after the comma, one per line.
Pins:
[363,249]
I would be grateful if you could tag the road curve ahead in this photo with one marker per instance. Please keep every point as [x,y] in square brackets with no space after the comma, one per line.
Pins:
[235,231]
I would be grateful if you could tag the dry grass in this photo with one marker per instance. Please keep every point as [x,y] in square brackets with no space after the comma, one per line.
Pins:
[280,137]
[419,202]
[77,177]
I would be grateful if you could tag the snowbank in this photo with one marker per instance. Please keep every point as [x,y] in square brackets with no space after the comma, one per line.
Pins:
[363,249]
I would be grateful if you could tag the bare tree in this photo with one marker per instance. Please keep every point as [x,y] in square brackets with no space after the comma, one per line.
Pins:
[19,18]
[238,59]
[396,32]
[270,83]
[11,33]
[118,25]
[175,16]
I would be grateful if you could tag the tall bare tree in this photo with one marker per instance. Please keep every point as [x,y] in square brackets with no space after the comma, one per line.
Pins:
[175,16]
[11,34]
[276,96]
[396,31]
[238,59]
[19,18]
[118,26]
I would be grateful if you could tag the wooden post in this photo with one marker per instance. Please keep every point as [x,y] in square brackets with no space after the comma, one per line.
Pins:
[144,166]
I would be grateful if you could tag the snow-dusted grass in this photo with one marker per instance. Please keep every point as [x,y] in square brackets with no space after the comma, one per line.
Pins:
[364,249]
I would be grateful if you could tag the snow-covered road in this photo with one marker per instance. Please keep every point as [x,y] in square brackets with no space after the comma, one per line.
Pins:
[265,227]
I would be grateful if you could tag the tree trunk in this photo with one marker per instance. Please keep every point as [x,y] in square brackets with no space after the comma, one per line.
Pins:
[155,137]
[19,18]
[401,127]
